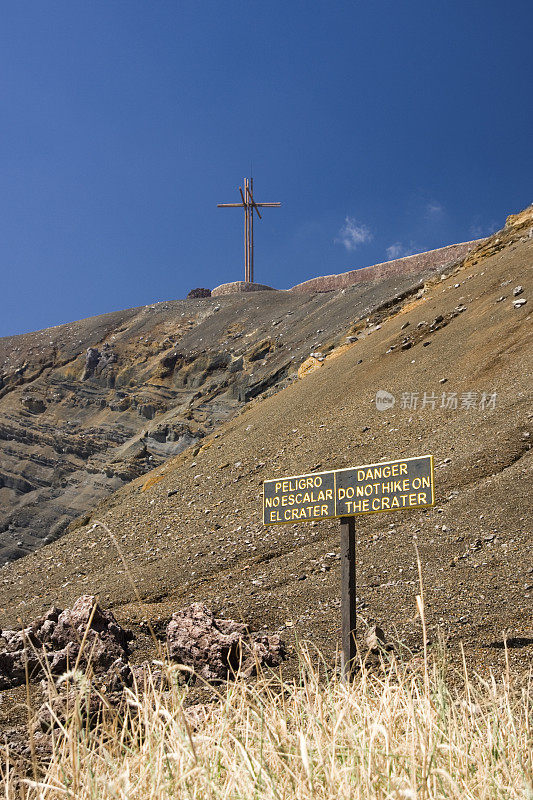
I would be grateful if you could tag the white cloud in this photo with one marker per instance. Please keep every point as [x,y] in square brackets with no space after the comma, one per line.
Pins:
[434,209]
[476,231]
[399,250]
[395,251]
[479,229]
[353,233]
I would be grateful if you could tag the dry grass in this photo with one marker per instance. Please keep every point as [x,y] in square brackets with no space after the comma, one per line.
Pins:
[396,732]
[401,730]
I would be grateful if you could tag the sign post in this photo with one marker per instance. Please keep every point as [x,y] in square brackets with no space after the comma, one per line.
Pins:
[344,493]
[348,596]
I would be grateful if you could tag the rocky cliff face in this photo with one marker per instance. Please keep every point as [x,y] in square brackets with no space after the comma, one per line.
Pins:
[88,406]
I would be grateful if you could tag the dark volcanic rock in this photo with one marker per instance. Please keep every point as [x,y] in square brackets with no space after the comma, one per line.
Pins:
[106,640]
[88,705]
[92,701]
[91,362]
[375,639]
[96,361]
[216,648]
[53,642]
[34,405]
[198,293]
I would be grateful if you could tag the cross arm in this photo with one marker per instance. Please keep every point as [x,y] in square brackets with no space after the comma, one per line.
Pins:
[229,205]
[267,205]
[254,205]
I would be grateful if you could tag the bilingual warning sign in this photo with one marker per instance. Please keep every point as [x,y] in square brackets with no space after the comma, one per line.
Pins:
[368,489]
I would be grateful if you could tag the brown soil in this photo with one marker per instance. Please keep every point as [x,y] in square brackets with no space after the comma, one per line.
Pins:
[192,530]
[88,406]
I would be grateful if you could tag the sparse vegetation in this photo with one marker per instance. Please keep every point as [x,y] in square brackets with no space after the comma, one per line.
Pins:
[398,732]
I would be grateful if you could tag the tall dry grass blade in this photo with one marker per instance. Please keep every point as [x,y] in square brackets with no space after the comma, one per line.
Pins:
[422,611]
[129,573]
[29,709]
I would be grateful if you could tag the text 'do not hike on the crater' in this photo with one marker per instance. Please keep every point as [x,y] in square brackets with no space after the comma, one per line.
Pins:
[367,489]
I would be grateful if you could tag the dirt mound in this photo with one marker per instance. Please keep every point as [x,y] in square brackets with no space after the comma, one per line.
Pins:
[240,287]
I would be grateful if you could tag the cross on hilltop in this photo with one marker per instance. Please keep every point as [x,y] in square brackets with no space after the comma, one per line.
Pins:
[249,205]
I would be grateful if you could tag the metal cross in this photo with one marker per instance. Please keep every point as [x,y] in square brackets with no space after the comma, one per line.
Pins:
[249,205]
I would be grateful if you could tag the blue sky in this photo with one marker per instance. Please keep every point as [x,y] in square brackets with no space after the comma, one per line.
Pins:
[384,128]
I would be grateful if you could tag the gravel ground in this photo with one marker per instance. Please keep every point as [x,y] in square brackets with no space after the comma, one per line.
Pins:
[192,530]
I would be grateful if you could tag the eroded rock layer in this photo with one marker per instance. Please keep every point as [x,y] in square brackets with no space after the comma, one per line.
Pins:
[88,406]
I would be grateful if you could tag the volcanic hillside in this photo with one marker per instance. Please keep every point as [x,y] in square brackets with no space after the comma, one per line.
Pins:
[192,529]
[88,406]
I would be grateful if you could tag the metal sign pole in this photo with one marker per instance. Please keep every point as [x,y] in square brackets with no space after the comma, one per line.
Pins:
[348,600]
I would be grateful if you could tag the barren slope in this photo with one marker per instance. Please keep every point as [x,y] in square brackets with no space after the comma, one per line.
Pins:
[191,530]
[86,407]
